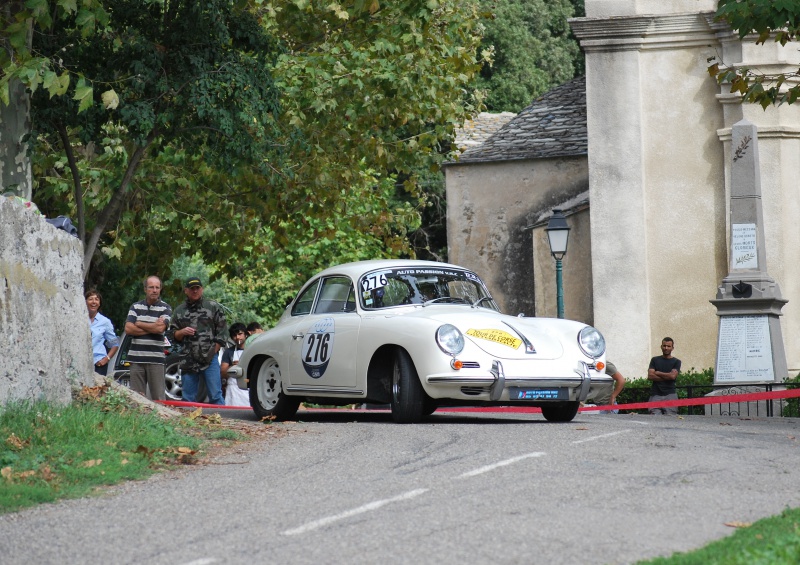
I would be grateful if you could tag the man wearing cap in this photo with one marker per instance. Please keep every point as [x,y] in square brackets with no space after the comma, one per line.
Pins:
[146,323]
[200,325]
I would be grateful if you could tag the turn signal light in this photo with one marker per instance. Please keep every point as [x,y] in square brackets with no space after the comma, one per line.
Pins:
[456,364]
[600,366]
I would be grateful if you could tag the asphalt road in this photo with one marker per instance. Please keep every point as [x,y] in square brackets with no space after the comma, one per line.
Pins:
[461,488]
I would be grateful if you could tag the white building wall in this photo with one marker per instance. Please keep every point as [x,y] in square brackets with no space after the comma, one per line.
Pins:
[651,107]
[657,170]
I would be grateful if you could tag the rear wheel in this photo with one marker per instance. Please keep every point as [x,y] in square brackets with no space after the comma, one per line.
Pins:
[266,395]
[408,396]
[173,381]
[563,412]
[172,378]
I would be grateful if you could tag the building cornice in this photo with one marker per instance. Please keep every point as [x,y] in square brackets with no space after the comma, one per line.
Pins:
[645,32]
[765,132]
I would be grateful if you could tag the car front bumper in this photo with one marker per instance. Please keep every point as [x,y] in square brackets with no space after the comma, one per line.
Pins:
[501,385]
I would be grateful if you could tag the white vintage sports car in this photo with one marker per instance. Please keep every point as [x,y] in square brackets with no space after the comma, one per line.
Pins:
[416,335]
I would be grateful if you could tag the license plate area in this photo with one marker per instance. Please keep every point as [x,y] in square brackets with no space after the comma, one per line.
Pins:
[528,393]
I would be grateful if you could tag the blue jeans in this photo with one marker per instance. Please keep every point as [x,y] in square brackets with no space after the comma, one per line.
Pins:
[213,380]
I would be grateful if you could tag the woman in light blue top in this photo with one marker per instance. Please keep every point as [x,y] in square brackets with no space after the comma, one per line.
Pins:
[102,333]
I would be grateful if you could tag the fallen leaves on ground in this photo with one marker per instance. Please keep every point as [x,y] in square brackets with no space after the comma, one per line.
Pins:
[15,442]
[736,524]
[90,463]
[93,392]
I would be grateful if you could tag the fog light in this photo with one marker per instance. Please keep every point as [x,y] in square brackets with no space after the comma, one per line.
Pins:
[456,364]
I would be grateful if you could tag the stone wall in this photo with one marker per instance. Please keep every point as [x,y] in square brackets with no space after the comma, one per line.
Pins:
[490,210]
[45,341]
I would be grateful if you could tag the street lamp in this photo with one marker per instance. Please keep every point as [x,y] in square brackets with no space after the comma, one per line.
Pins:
[558,236]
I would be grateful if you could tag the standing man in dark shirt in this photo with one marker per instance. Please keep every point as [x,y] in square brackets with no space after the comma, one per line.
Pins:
[662,373]
[200,325]
[146,323]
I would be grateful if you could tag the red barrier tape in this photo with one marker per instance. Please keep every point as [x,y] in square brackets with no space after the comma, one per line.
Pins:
[182,404]
[726,399]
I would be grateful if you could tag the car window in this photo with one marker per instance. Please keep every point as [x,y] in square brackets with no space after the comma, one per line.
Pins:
[304,302]
[336,296]
[418,285]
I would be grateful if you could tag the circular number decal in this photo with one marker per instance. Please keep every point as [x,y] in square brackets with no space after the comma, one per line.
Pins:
[317,348]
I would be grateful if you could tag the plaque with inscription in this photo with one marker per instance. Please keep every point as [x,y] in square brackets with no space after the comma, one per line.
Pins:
[744,350]
[744,254]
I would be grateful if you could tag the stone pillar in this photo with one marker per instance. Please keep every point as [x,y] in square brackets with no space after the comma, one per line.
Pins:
[655,178]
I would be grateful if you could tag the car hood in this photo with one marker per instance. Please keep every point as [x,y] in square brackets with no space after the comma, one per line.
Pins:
[508,337]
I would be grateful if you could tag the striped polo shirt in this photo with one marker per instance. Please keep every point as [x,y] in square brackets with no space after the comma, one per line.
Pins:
[148,348]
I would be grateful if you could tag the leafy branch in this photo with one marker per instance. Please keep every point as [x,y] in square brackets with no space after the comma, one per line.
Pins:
[779,20]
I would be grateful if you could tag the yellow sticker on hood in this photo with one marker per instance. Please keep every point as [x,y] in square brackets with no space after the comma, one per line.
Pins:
[497,336]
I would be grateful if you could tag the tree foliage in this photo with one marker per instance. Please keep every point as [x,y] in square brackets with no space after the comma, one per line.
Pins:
[370,95]
[532,50]
[776,19]
[192,73]
[22,59]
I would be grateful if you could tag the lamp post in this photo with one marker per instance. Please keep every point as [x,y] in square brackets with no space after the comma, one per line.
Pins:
[558,236]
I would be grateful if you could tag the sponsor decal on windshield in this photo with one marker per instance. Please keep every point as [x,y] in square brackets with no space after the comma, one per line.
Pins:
[497,336]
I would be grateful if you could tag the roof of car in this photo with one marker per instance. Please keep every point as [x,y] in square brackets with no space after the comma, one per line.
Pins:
[357,268]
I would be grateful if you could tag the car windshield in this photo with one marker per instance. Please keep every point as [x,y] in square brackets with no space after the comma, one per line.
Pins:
[387,288]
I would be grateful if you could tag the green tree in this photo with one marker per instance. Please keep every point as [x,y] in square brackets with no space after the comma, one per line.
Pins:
[192,73]
[532,50]
[776,19]
[371,93]
[23,69]
[372,86]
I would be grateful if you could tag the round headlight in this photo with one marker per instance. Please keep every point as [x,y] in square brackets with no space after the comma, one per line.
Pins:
[592,342]
[450,339]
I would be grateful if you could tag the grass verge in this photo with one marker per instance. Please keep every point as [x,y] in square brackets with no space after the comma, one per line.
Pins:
[50,452]
[771,541]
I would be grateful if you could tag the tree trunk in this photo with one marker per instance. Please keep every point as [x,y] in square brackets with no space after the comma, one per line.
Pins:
[76,181]
[15,124]
[114,205]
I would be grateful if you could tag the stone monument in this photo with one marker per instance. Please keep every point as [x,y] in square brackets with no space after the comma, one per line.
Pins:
[750,344]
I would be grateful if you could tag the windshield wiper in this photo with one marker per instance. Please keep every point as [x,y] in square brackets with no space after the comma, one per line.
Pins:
[480,300]
[448,299]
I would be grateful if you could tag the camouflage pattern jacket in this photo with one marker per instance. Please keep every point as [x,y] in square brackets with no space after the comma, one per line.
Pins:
[208,318]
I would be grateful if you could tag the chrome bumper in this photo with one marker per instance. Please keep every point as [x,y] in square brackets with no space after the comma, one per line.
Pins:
[498,382]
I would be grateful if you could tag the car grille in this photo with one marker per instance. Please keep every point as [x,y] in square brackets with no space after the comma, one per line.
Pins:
[474,390]
[470,365]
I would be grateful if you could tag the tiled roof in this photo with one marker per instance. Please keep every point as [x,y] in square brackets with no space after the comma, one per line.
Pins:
[553,126]
[476,131]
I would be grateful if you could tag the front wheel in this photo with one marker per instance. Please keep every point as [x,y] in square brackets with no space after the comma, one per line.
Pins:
[408,396]
[563,412]
[266,395]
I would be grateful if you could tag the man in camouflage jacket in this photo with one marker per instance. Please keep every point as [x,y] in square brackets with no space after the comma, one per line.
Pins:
[200,326]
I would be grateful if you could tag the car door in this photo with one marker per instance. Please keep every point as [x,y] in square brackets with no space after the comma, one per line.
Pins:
[322,353]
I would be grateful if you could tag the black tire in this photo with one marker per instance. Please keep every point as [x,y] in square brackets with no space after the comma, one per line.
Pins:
[430,407]
[408,396]
[266,393]
[563,412]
